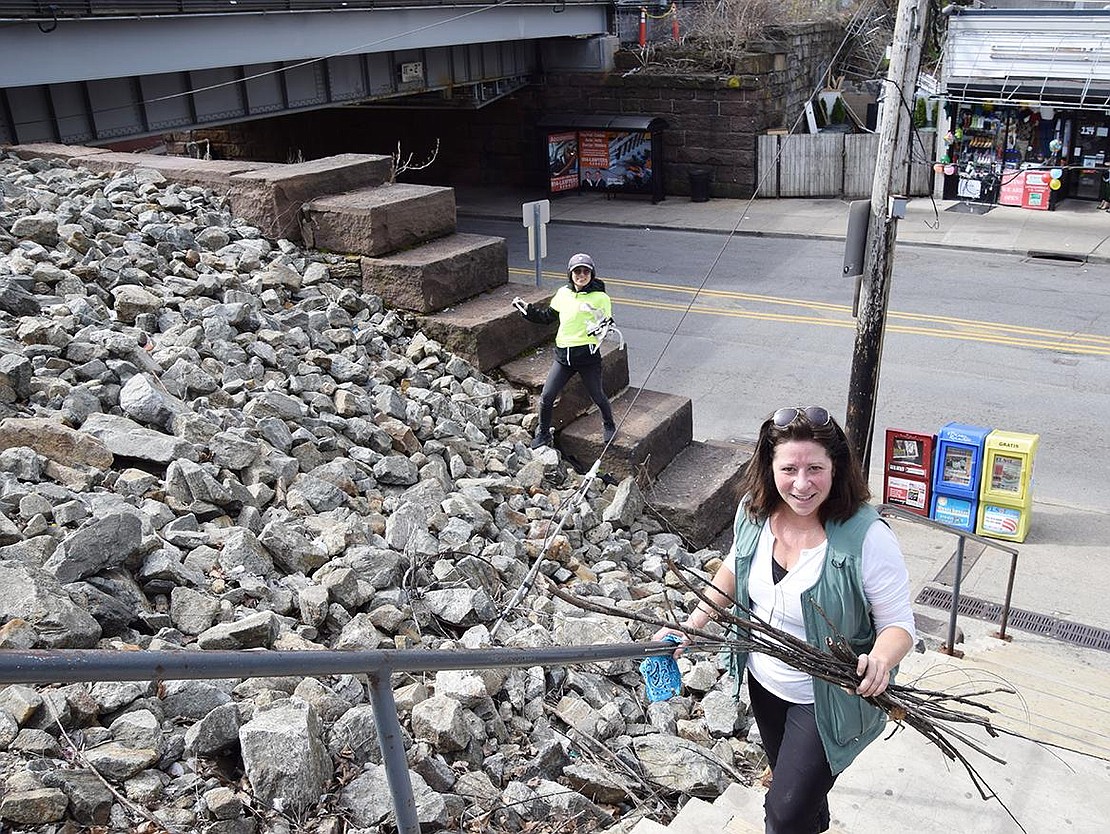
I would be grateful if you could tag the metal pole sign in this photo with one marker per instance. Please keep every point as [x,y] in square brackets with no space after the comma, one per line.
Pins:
[536,216]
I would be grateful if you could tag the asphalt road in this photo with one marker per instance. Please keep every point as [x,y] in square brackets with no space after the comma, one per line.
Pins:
[743,325]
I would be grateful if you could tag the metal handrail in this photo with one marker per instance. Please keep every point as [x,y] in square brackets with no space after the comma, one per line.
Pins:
[896,511]
[91,665]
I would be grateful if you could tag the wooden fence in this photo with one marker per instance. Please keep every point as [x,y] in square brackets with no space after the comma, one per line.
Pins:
[832,165]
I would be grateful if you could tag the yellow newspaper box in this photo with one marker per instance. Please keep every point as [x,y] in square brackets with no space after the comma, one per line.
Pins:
[1006,491]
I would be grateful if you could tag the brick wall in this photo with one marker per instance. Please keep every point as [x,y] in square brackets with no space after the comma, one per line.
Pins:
[712,121]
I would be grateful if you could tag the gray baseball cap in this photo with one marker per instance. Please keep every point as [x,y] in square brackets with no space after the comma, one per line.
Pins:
[581,259]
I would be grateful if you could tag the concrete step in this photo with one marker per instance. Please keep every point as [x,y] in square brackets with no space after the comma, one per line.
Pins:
[746,805]
[441,273]
[699,490]
[656,428]
[271,198]
[700,817]
[647,826]
[486,330]
[1060,700]
[530,372]
[375,221]
[209,173]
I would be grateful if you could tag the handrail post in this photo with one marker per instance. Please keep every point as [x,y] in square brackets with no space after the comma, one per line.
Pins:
[950,648]
[393,752]
[1001,633]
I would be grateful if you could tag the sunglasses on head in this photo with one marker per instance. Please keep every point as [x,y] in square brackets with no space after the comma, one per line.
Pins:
[813,414]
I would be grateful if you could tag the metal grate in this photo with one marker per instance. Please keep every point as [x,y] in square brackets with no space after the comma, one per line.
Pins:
[1069,258]
[1090,637]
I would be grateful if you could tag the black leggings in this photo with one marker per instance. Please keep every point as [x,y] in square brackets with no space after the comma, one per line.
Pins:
[559,376]
[798,799]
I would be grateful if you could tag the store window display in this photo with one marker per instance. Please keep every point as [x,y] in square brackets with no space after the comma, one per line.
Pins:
[1025,156]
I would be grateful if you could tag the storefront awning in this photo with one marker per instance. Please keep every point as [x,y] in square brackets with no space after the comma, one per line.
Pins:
[1029,92]
[1036,57]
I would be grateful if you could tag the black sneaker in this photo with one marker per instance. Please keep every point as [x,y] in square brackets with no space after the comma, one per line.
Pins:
[608,434]
[543,438]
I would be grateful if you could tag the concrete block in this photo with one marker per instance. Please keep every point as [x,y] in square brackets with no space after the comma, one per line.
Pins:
[530,372]
[52,150]
[439,273]
[699,490]
[271,198]
[376,221]
[647,826]
[698,816]
[486,330]
[655,428]
[209,173]
[745,801]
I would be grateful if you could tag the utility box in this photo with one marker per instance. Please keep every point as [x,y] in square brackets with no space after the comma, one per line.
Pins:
[908,473]
[1006,493]
[957,472]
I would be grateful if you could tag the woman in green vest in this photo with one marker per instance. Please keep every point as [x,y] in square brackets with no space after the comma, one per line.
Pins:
[583,309]
[811,557]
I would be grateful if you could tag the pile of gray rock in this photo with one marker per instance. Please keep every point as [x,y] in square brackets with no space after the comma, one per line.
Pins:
[210,440]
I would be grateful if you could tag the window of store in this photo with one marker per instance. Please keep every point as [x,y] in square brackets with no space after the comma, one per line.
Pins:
[1030,156]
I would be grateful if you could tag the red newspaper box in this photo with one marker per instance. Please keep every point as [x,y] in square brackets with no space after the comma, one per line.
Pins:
[908,473]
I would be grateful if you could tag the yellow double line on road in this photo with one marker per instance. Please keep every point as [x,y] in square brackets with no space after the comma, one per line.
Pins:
[839,315]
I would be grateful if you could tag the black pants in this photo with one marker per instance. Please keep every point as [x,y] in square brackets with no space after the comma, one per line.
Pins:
[798,799]
[559,376]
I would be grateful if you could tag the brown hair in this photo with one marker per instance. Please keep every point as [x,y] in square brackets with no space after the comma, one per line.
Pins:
[849,486]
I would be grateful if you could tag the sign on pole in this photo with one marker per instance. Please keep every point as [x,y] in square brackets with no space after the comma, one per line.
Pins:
[536,216]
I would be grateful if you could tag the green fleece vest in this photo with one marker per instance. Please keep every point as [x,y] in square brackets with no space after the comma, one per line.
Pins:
[846,722]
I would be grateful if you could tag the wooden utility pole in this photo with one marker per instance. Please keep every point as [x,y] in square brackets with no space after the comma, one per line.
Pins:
[891,172]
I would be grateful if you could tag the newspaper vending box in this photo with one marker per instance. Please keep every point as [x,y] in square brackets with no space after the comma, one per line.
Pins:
[1006,494]
[956,475]
[908,473]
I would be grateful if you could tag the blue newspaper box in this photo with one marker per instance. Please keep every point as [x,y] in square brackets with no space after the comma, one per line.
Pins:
[957,472]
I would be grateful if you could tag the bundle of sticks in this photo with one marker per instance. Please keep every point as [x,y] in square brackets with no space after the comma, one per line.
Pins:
[936,715]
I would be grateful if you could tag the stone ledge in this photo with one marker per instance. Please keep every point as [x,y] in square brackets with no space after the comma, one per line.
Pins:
[699,491]
[650,434]
[374,221]
[210,173]
[486,330]
[439,273]
[52,150]
[530,372]
[271,198]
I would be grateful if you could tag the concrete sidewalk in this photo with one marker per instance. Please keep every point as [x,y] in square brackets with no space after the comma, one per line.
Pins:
[1075,229]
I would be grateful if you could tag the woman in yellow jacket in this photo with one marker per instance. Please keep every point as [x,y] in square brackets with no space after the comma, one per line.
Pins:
[582,308]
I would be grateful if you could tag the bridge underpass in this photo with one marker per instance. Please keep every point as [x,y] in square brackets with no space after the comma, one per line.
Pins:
[88,73]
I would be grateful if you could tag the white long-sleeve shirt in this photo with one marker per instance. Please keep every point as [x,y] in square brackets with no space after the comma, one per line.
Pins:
[886,585]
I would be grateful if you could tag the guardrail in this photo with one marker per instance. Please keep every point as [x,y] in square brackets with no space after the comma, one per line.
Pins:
[90,665]
[895,511]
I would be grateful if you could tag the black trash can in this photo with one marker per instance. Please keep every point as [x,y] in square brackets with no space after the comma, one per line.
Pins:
[699,185]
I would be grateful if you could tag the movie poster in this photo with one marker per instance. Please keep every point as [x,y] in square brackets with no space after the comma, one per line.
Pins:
[562,161]
[615,160]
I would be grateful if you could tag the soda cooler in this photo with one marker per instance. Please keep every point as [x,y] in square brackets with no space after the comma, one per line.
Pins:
[1006,493]
[957,472]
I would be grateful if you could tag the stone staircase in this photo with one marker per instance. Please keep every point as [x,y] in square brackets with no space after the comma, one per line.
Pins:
[457,288]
